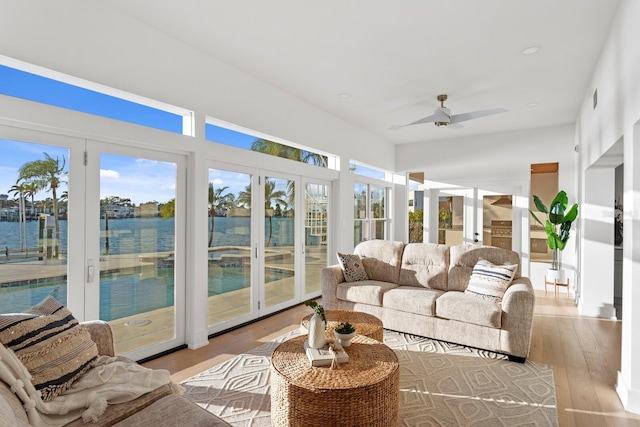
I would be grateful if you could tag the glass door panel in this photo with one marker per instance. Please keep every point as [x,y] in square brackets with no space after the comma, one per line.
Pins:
[229,245]
[316,234]
[33,224]
[137,250]
[279,240]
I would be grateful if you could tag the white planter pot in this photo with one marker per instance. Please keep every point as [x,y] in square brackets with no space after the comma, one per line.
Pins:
[344,339]
[316,332]
[556,275]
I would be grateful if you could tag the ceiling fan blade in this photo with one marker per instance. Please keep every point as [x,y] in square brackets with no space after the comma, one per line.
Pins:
[457,118]
[455,126]
[437,116]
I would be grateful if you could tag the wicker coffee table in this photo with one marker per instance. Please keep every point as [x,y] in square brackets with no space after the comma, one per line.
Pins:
[363,392]
[365,324]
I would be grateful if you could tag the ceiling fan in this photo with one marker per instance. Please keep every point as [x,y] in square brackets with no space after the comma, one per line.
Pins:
[442,116]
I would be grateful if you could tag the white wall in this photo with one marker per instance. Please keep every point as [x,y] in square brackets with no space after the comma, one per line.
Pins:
[608,135]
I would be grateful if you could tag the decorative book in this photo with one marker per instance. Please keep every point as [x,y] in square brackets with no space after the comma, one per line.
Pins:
[324,356]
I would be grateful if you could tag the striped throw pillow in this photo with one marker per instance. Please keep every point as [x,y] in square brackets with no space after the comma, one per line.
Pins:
[53,346]
[489,281]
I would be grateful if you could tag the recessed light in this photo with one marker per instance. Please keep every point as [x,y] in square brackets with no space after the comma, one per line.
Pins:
[394,127]
[344,95]
[530,50]
[532,104]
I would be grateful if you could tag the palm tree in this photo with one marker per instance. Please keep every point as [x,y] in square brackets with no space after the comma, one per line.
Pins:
[287,152]
[217,202]
[270,195]
[30,191]
[46,175]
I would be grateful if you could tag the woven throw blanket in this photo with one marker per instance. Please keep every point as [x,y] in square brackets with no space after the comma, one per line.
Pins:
[113,380]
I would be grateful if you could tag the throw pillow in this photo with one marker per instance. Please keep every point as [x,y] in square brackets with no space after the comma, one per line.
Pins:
[53,346]
[352,267]
[489,281]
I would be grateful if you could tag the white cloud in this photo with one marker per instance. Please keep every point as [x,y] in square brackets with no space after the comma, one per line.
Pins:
[109,174]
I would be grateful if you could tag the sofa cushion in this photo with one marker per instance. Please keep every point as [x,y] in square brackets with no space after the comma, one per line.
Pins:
[364,292]
[464,257]
[352,267]
[381,258]
[489,281]
[425,265]
[173,410]
[53,346]
[412,299]
[454,305]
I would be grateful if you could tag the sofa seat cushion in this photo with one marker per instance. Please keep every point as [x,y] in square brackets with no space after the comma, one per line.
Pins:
[364,292]
[412,299]
[173,410]
[118,412]
[454,305]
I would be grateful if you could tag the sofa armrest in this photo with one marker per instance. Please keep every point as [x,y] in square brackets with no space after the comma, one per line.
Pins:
[330,278]
[517,317]
[102,335]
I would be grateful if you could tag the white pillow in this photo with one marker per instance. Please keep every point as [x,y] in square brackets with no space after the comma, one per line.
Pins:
[489,281]
[352,267]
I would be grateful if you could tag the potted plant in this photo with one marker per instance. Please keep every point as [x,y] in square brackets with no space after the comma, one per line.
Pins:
[344,333]
[317,325]
[557,227]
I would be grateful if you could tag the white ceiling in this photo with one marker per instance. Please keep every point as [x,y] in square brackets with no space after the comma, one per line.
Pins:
[394,57]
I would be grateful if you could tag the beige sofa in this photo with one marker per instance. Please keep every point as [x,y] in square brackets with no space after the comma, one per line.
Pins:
[161,407]
[419,289]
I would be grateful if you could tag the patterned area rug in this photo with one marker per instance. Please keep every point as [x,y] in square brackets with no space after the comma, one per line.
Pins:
[441,384]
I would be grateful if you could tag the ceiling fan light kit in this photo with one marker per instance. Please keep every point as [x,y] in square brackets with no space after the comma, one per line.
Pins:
[442,115]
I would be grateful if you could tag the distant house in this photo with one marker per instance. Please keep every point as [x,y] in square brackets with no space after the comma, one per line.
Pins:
[147,210]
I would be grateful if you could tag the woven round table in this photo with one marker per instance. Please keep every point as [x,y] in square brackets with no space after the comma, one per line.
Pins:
[365,324]
[362,392]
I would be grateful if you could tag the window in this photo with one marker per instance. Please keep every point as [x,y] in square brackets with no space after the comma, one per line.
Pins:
[59,90]
[370,212]
[223,135]
[358,169]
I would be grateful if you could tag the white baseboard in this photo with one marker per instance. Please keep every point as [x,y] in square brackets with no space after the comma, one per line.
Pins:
[630,398]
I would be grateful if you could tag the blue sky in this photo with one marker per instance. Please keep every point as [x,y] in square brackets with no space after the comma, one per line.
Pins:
[140,180]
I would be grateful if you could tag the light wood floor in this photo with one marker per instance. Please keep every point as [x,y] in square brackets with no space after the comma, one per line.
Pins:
[584,353]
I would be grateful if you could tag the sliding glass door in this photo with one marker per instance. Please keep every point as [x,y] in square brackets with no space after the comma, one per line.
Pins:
[34,222]
[230,234]
[135,265]
[267,242]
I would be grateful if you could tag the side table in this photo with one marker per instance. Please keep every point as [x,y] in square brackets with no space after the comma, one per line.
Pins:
[365,324]
[363,392]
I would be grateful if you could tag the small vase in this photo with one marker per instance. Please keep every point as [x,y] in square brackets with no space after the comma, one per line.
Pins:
[344,339]
[316,336]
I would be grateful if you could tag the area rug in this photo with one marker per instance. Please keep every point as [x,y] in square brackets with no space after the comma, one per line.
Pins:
[441,384]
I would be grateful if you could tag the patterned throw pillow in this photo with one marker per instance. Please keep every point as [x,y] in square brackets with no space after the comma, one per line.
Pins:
[53,346]
[489,281]
[352,267]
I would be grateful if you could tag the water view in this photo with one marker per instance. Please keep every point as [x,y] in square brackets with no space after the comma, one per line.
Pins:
[137,290]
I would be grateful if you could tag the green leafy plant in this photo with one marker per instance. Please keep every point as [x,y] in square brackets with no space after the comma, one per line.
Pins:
[317,308]
[345,328]
[558,224]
